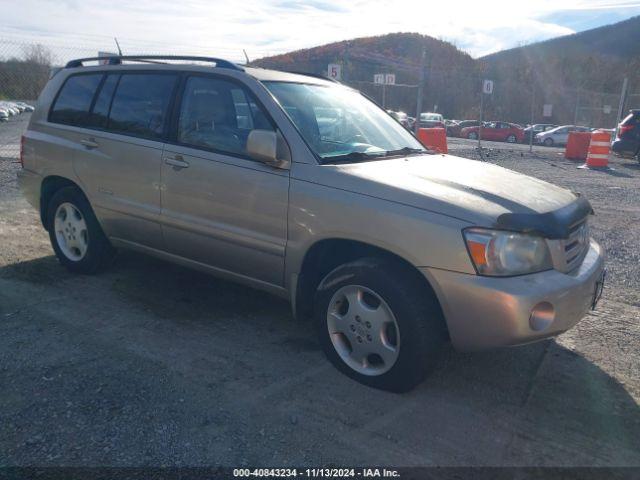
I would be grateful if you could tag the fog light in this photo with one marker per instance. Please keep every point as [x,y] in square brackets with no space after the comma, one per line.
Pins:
[542,315]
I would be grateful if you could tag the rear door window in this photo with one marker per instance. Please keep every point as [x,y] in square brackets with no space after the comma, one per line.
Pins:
[140,104]
[100,112]
[72,105]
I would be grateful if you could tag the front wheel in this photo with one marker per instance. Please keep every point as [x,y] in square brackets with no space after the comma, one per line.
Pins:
[76,236]
[377,325]
[548,142]
[472,136]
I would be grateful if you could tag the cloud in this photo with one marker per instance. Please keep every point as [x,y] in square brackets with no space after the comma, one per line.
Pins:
[224,28]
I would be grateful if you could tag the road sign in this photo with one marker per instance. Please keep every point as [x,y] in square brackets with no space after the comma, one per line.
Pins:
[335,71]
[487,87]
[384,78]
[606,109]
[547,108]
[106,54]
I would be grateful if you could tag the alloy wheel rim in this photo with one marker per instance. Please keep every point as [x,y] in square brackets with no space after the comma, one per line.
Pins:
[71,231]
[363,330]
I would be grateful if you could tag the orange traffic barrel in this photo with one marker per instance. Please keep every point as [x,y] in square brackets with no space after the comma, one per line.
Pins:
[577,146]
[599,147]
[434,139]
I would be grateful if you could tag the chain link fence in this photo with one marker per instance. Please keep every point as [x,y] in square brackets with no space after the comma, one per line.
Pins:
[453,90]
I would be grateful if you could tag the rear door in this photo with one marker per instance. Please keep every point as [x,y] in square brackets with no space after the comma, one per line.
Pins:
[561,135]
[120,158]
[490,132]
[219,207]
[630,129]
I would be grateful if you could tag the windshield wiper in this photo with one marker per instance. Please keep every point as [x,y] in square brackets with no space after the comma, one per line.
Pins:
[406,151]
[363,156]
[352,157]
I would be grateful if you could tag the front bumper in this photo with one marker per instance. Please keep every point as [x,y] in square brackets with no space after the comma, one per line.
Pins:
[486,312]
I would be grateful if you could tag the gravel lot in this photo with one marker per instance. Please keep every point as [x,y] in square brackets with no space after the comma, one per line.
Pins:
[153,364]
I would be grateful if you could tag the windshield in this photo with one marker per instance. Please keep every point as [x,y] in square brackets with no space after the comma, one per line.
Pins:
[337,122]
[426,117]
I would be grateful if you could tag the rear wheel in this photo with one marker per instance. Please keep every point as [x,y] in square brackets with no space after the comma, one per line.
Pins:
[512,139]
[548,142]
[76,236]
[377,326]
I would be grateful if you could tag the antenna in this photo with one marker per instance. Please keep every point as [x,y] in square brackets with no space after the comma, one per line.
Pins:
[246,56]
[118,45]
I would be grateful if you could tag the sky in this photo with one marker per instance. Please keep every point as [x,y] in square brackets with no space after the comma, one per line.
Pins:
[264,27]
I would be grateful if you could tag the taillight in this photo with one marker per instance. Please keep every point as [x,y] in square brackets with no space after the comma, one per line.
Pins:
[622,129]
[22,151]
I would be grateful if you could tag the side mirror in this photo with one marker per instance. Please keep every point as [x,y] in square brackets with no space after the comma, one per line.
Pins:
[269,147]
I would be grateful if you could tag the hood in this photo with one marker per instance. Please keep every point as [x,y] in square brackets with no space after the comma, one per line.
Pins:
[473,191]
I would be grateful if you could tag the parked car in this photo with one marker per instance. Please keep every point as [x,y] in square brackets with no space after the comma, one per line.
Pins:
[26,107]
[558,135]
[4,115]
[401,117]
[495,131]
[450,126]
[627,142]
[389,249]
[535,129]
[431,120]
[454,130]
[11,110]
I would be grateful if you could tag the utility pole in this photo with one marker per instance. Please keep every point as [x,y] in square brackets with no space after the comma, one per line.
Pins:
[480,126]
[423,61]
[384,95]
[531,132]
[623,95]
[575,115]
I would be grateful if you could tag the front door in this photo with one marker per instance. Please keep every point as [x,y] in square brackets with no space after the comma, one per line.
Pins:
[219,207]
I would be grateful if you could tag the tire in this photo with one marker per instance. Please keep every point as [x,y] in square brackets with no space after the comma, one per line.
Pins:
[472,136]
[75,234]
[548,142]
[512,139]
[409,338]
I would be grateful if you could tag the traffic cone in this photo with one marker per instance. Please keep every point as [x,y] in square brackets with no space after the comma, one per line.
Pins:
[434,138]
[598,154]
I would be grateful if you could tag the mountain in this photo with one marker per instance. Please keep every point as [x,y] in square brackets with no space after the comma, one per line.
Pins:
[619,40]
[398,53]
[580,75]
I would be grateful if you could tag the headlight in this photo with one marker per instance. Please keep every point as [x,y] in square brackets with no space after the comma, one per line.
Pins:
[500,253]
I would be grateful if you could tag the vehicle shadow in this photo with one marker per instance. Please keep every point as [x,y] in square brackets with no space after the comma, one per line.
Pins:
[215,341]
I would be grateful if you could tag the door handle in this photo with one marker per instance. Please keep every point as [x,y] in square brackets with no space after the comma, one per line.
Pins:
[176,162]
[90,143]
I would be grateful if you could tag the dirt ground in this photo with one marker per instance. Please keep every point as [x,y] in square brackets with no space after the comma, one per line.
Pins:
[152,364]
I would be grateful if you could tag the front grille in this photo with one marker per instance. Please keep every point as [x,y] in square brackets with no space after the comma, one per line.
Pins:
[576,246]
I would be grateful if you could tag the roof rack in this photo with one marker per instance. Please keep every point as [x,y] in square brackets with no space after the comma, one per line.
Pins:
[314,75]
[118,59]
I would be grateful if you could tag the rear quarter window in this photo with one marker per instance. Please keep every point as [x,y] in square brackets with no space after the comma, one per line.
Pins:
[73,102]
